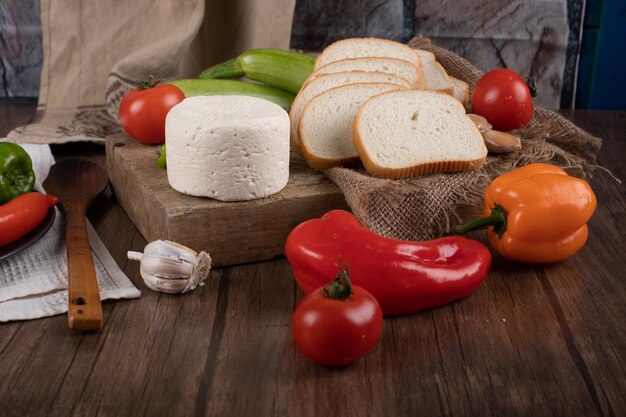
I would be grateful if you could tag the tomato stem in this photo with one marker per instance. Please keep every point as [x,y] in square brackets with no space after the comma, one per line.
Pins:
[532,86]
[149,83]
[497,219]
[339,288]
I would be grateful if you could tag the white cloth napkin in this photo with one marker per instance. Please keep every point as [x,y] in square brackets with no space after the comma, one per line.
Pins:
[33,283]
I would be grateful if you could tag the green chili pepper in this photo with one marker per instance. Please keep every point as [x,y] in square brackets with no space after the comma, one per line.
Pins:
[16,172]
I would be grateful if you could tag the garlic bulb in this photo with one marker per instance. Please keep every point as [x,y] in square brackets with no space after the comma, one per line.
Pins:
[171,267]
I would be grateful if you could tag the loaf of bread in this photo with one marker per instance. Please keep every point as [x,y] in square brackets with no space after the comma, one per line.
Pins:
[366,47]
[401,134]
[393,66]
[322,83]
[326,123]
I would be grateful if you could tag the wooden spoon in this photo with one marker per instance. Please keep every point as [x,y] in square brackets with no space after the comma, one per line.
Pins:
[77,182]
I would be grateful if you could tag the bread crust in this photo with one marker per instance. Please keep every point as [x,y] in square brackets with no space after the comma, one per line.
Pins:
[371,39]
[411,171]
[419,72]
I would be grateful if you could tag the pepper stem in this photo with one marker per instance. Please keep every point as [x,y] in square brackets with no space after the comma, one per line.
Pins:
[497,219]
[161,160]
[339,288]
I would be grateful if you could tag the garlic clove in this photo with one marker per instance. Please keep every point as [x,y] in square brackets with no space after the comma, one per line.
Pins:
[171,267]
[501,142]
[170,286]
[481,123]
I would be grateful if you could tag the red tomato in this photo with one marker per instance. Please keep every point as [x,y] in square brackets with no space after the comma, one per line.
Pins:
[336,332]
[143,111]
[502,97]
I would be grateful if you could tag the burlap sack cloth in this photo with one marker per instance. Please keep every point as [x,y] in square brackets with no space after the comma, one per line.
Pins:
[95,51]
[429,206]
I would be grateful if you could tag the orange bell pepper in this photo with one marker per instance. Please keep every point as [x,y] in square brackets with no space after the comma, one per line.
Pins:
[536,213]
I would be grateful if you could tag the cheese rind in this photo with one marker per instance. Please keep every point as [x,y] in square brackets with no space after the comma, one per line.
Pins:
[230,148]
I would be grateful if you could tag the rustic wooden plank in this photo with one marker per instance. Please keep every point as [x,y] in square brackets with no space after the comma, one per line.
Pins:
[232,232]
[255,313]
[226,349]
[150,363]
[590,295]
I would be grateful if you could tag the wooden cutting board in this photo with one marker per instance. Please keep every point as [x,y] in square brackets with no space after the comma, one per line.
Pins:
[231,232]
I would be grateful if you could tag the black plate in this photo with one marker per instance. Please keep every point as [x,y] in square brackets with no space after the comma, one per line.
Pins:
[31,237]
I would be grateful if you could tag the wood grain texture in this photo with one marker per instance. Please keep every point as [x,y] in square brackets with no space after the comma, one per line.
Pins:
[233,233]
[532,341]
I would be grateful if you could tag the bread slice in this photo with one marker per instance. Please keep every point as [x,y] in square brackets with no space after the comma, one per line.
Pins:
[401,134]
[437,78]
[395,66]
[366,47]
[425,56]
[318,85]
[326,123]
[461,91]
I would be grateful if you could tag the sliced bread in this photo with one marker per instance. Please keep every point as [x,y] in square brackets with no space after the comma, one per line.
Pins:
[395,66]
[366,47]
[461,91]
[434,74]
[401,134]
[317,85]
[425,56]
[437,78]
[326,123]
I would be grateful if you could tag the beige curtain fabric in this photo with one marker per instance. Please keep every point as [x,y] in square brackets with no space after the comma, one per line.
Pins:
[95,51]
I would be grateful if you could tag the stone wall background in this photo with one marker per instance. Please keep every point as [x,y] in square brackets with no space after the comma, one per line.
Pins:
[540,38]
[21,53]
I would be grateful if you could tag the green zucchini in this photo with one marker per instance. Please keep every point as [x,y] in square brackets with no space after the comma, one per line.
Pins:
[279,68]
[209,87]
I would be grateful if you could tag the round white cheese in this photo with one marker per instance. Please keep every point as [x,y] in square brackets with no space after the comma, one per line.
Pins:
[230,148]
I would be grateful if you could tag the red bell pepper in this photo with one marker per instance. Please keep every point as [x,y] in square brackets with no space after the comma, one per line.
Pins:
[404,276]
[22,214]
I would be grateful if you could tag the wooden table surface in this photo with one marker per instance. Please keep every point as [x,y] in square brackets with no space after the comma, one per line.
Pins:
[532,341]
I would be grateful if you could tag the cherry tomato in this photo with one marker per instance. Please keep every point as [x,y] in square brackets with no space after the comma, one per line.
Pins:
[337,324]
[503,98]
[143,111]
[20,215]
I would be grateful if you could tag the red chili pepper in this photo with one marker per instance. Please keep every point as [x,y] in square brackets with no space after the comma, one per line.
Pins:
[404,276]
[22,214]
